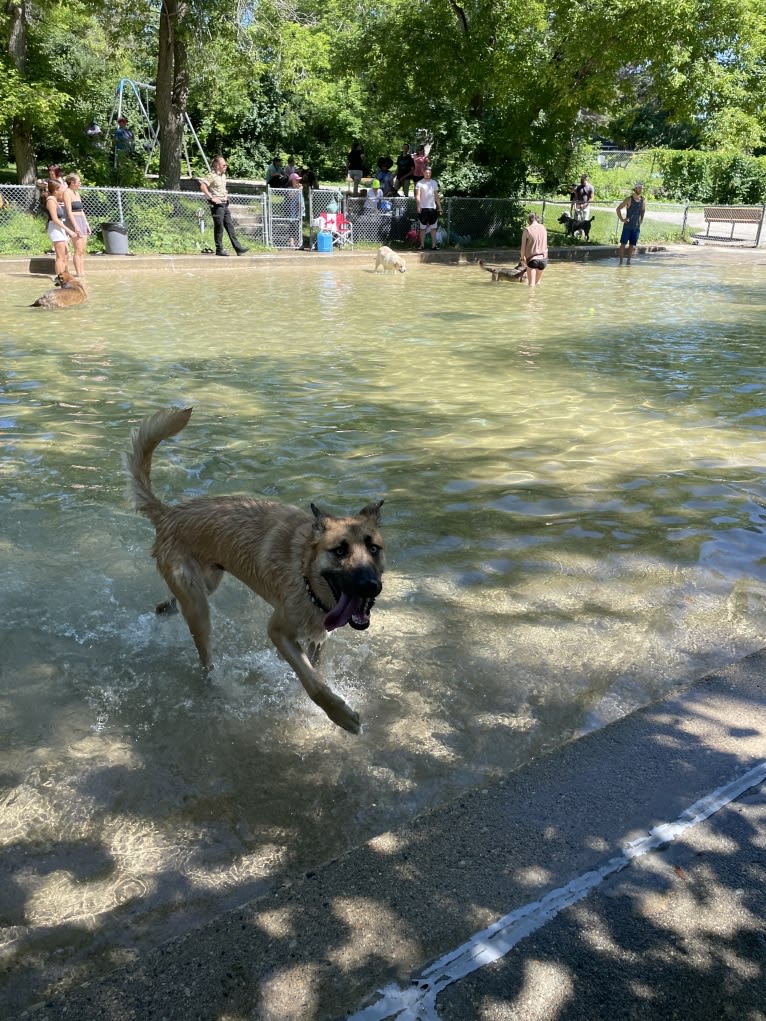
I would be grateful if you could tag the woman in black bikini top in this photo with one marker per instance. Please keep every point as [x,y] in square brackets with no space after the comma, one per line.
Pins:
[76,218]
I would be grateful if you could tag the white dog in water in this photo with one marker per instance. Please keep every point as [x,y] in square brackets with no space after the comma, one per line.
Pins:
[389,260]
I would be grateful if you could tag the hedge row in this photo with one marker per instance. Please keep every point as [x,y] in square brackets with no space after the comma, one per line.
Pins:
[718,178]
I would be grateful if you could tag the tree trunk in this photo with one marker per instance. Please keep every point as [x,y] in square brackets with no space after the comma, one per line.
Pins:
[21,129]
[172,90]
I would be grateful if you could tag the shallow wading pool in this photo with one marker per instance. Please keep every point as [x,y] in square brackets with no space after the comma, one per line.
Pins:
[574,482]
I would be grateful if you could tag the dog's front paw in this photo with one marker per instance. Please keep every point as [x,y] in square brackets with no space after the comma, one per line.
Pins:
[343,715]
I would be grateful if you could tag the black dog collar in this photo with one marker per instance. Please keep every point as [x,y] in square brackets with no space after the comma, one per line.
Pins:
[314,597]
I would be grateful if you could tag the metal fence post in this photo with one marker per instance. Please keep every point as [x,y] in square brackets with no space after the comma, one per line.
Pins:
[760,227]
[683,225]
[449,219]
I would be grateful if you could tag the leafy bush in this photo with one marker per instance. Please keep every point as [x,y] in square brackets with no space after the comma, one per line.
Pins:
[613,184]
[724,178]
[21,233]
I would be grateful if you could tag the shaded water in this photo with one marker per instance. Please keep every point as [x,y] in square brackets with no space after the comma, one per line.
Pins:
[574,485]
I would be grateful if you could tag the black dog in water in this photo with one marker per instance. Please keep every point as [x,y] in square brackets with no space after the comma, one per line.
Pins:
[576,226]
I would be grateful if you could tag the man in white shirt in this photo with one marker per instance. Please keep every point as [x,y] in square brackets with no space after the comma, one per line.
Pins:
[429,207]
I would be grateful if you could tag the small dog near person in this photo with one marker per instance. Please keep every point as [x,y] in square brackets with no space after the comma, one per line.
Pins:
[573,226]
[68,292]
[518,272]
[389,260]
[318,571]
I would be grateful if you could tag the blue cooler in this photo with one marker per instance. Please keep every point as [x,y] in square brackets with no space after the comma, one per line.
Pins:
[324,241]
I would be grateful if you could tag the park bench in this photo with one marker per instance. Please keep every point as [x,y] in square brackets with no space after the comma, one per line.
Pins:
[732,215]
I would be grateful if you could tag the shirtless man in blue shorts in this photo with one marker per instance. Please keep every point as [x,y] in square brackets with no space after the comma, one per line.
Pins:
[634,207]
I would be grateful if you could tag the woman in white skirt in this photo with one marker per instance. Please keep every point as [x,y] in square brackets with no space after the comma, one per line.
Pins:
[58,230]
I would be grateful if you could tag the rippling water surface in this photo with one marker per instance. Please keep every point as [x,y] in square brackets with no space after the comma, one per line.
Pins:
[574,486]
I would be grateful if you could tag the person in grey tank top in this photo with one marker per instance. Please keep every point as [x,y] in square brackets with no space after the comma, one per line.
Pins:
[630,213]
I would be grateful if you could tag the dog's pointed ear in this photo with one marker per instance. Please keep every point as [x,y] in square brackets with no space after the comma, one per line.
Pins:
[319,518]
[372,510]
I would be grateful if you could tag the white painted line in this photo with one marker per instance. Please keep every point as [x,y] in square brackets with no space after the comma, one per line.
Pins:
[417,1002]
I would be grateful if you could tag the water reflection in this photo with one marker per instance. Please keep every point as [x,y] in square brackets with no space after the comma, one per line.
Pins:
[574,511]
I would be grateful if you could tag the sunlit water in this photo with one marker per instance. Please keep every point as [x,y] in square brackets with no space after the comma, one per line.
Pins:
[574,486]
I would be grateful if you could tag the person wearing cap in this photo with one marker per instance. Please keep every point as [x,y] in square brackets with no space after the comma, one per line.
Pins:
[213,187]
[634,208]
[373,197]
[124,141]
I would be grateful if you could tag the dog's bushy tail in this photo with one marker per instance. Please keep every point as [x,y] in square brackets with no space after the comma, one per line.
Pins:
[138,460]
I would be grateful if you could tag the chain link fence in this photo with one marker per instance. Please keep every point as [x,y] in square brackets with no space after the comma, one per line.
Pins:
[156,221]
[180,222]
[608,159]
[464,221]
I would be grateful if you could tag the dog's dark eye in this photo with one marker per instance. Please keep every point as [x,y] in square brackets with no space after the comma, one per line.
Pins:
[341,551]
[373,548]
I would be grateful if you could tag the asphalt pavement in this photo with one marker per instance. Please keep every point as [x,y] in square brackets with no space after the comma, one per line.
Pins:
[620,876]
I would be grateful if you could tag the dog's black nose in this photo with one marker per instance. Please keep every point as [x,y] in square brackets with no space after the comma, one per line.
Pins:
[368,584]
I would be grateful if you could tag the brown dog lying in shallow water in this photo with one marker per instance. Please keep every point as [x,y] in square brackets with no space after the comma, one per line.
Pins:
[318,571]
[68,291]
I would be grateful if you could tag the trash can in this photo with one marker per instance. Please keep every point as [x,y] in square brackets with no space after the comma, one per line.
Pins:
[324,241]
[115,237]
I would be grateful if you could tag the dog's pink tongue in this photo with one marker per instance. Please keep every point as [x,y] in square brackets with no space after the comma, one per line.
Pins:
[340,614]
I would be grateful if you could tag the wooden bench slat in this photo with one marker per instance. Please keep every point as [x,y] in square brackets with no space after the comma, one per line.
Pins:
[733,214]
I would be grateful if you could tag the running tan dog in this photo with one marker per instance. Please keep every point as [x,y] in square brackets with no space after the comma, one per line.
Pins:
[68,291]
[389,260]
[319,572]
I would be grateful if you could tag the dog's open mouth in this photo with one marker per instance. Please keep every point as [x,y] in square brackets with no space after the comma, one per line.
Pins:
[353,610]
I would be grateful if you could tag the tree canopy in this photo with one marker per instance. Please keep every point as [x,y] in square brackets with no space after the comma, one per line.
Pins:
[505,91]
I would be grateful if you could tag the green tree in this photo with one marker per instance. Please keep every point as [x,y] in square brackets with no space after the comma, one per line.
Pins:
[59,69]
[26,99]
[507,89]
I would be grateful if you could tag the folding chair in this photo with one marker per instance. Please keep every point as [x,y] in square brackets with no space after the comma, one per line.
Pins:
[340,227]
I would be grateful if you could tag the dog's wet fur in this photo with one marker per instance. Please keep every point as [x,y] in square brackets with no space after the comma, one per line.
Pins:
[67,292]
[389,260]
[318,571]
[519,272]
[572,226]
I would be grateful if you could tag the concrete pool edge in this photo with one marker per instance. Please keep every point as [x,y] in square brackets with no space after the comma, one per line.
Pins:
[316,948]
[42,265]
